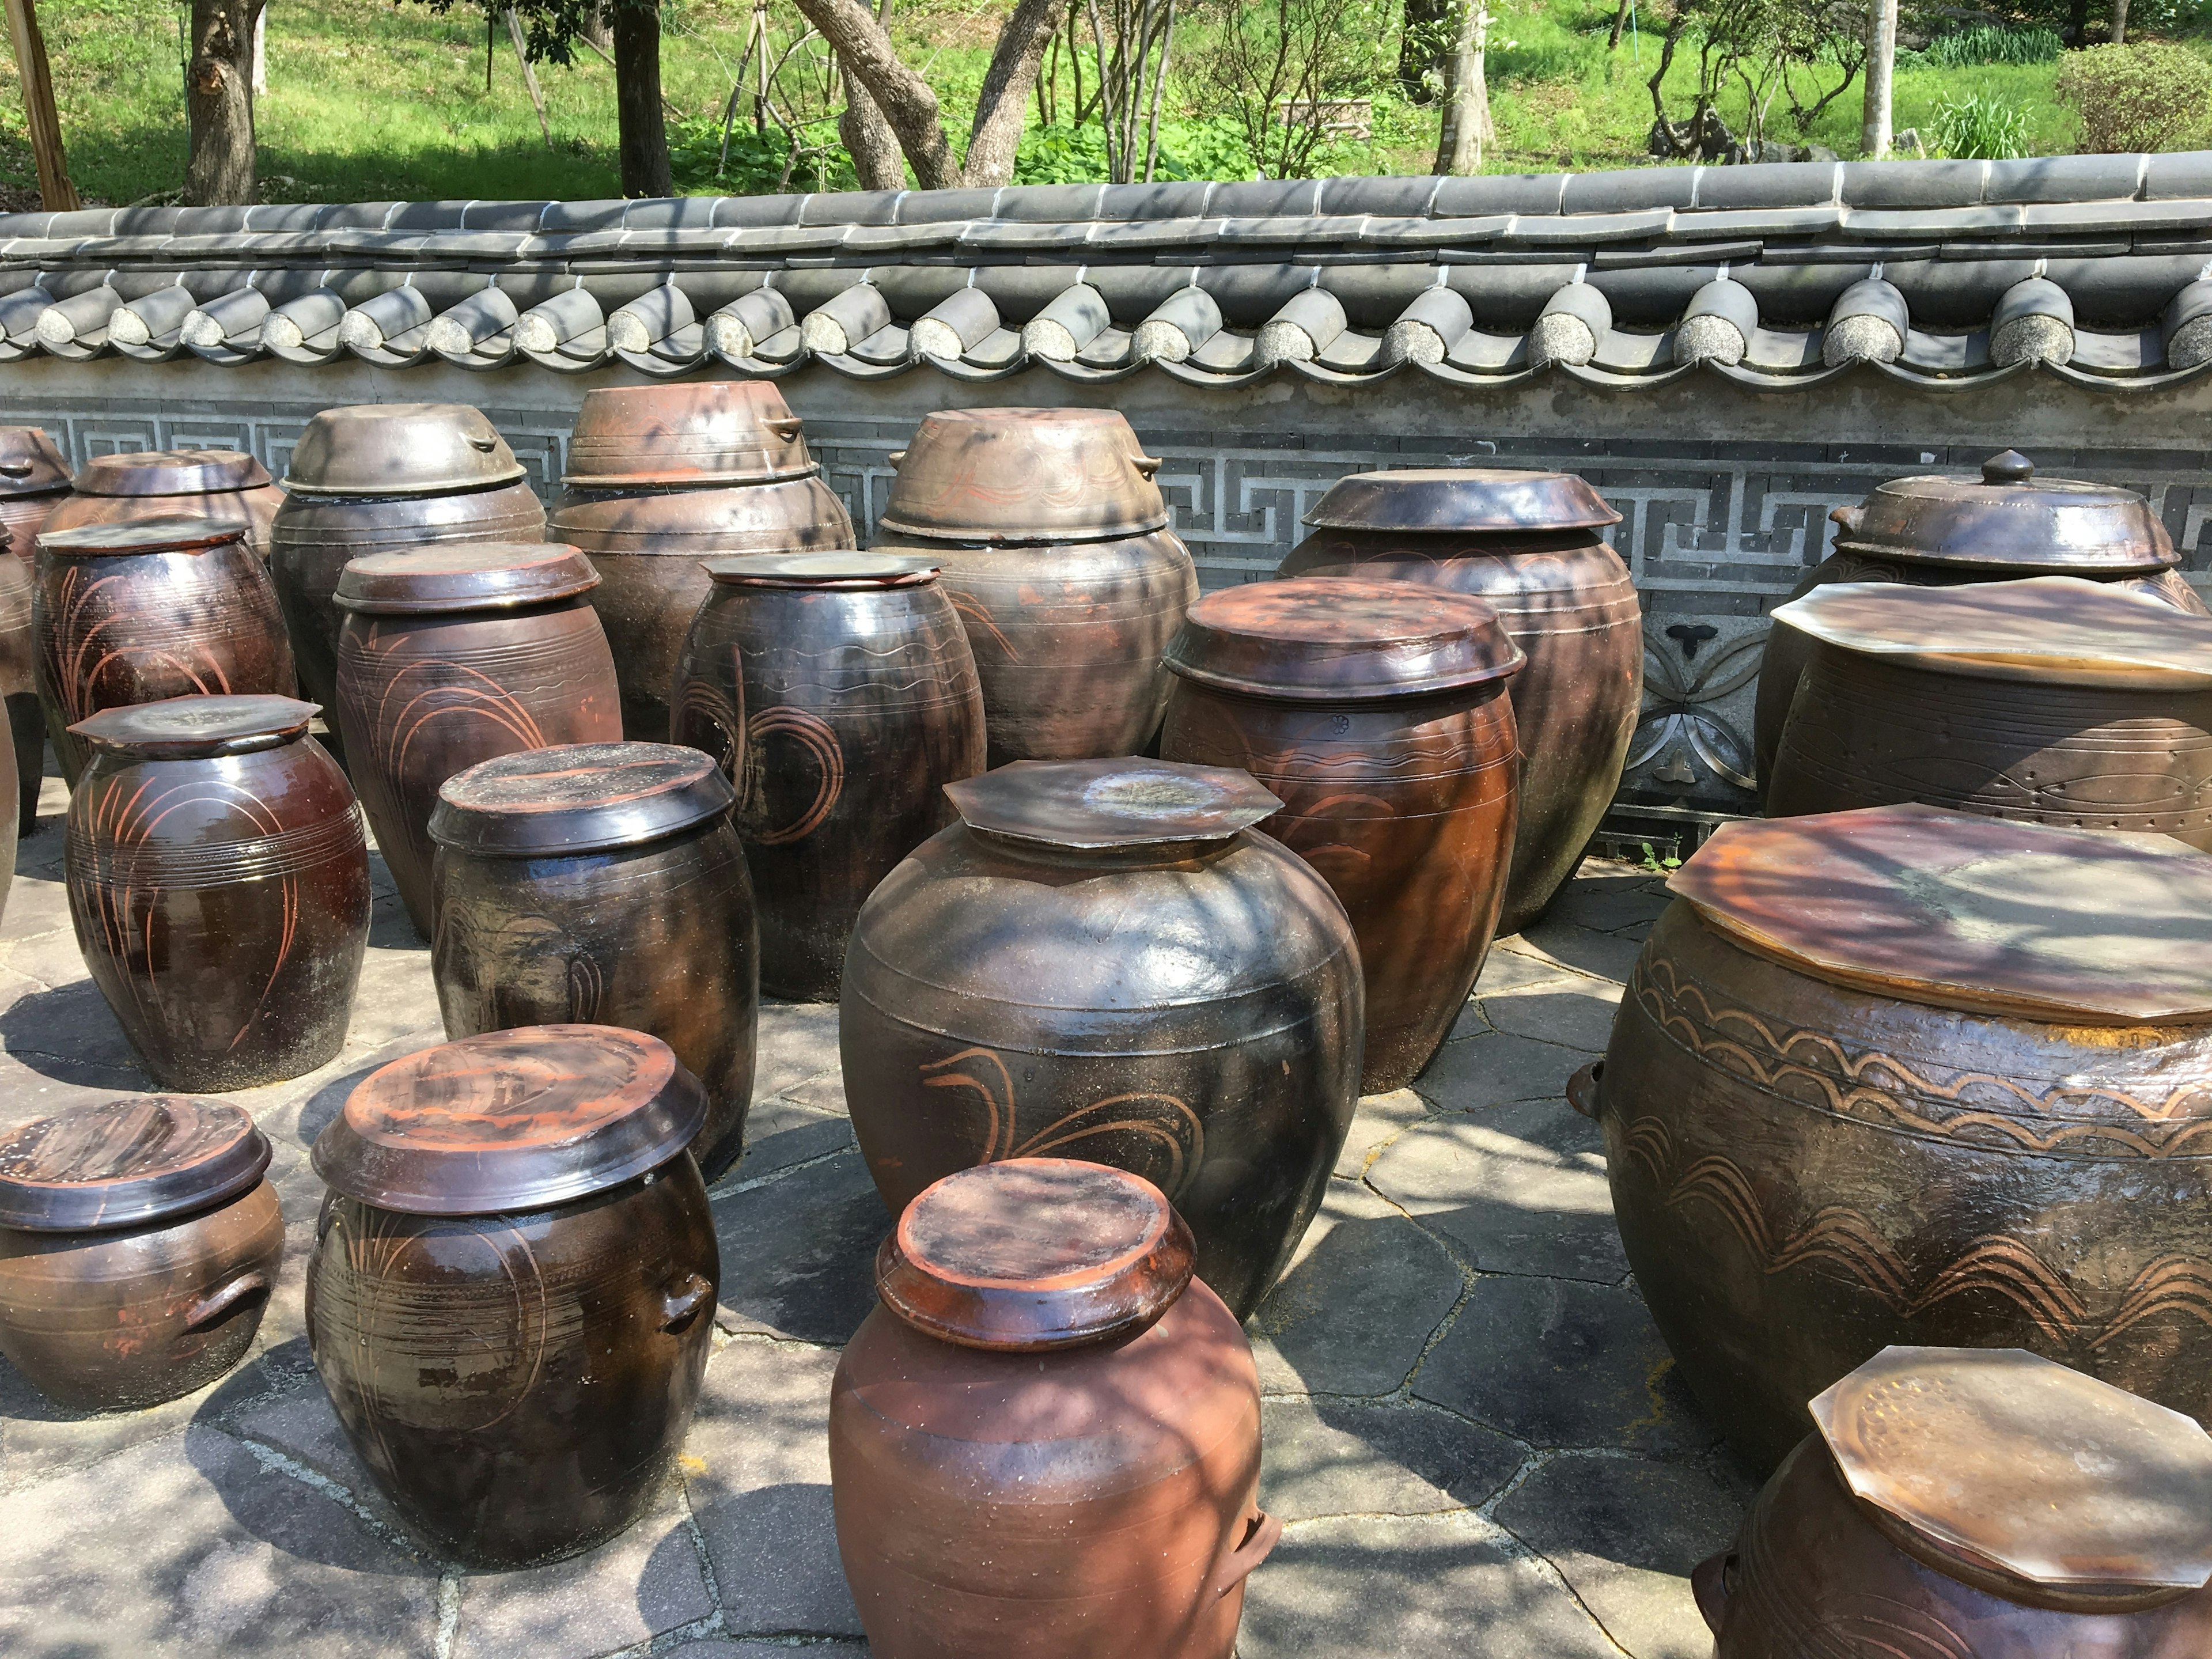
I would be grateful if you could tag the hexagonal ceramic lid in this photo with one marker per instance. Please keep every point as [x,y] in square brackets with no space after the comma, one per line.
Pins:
[1102,804]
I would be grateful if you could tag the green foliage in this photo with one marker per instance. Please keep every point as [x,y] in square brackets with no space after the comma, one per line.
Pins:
[2149,96]
[1064,154]
[760,163]
[1992,45]
[1976,129]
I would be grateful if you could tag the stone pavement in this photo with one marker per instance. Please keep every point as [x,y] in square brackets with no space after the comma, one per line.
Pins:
[1474,1433]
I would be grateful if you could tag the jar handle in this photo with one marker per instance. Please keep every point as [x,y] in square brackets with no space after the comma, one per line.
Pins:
[16,469]
[1582,1089]
[1262,1532]
[212,1306]
[1148,464]
[1849,517]
[786,427]
[896,458]
[680,1306]
[1709,1585]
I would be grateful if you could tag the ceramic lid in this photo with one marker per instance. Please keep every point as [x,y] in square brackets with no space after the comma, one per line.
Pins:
[172,532]
[703,432]
[124,1162]
[2008,519]
[2043,629]
[518,1120]
[1966,912]
[1462,500]
[399,449]
[1035,1253]
[836,569]
[1009,476]
[1103,804]
[186,728]
[465,576]
[171,472]
[2003,1462]
[30,462]
[1332,638]
[578,798]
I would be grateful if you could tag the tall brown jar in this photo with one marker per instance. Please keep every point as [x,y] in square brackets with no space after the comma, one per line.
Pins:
[452,655]
[218,881]
[174,483]
[511,1298]
[1533,544]
[139,1245]
[603,883]
[838,692]
[34,481]
[1044,1441]
[1377,712]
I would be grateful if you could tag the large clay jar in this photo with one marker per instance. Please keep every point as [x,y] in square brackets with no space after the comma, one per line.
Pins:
[1532,544]
[603,883]
[1377,712]
[1912,1076]
[1044,1441]
[663,477]
[838,692]
[1104,958]
[451,656]
[139,1243]
[511,1298]
[1970,1504]
[34,481]
[218,880]
[1941,531]
[2049,701]
[1055,548]
[174,484]
[147,609]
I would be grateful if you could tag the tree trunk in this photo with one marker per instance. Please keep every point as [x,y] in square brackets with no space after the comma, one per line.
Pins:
[643,130]
[219,104]
[905,99]
[869,138]
[2077,23]
[2119,22]
[1466,125]
[1002,109]
[56,193]
[261,50]
[1619,23]
[1420,48]
[1881,59]
[598,32]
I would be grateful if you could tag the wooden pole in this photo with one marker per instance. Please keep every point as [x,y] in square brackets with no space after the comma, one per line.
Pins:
[1881,59]
[529,75]
[56,193]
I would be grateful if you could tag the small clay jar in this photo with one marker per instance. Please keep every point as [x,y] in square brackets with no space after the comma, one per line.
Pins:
[33,481]
[218,881]
[511,1297]
[139,1243]
[1044,1441]
[838,692]
[603,883]
[451,655]
[174,483]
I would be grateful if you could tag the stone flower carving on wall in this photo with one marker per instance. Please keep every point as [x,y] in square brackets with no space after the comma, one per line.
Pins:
[1688,743]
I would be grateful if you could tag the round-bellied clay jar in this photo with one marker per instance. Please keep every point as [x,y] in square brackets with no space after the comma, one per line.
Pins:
[1044,1440]
[34,481]
[174,483]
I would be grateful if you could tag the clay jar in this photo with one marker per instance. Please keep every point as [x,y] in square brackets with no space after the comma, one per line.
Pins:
[663,477]
[1053,542]
[218,881]
[1376,712]
[1910,1076]
[838,692]
[1975,1504]
[1531,545]
[34,481]
[147,610]
[139,1243]
[1104,958]
[511,1298]
[452,655]
[603,883]
[174,483]
[1044,1441]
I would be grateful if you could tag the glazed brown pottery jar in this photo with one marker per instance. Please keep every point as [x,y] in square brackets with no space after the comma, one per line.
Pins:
[1910,1076]
[1044,1441]
[218,880]
[151,609]
[1055,545]
[139,1243]
[1054,974]
[603,883]
[451,656]
[1376,712]
[663,477]
[174,484]
[34,481]
[2049,701]
[1939,531]
[1532,544]
[512,1294]
[1974,1503]
[838,692]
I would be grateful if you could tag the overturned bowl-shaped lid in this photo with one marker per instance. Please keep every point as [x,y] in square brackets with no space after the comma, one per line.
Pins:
[1335,638]
[1101,804]
[704,432]
[171,533]
[578,798]
[840,570]
[1465,501]
[1002,476]
[399,449]
[171,472]
[192,728]
[465,576]
[30,462]
[122,1163]
[2008,520]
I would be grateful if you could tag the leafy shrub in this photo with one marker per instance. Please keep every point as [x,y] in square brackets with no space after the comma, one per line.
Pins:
[1063,155]
[2150,96]
[1977,128]
[757,161]
[1991,44]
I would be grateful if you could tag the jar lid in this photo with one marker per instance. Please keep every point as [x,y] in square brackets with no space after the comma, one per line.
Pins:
[1035,1253]
[2001,1462]
[1334,638]
[187,728]
[517,1120]
[124,1162]
[1103,804]
[703,432]
[1961,911]
[578,798]
[842,568]
[171,533]
[463,576]
[399,449]
[1009,476]
[1464,501]
[30,462]
[171,472]
[2007,518]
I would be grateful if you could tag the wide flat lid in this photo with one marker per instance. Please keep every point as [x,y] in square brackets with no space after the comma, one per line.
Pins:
[578,798]
[1962,911]
[1328,638]
[178,729]
[171,472]
[172,532]
[30,462]
[1009,476]
[516,1120]
[702,432]
[124,1162]
[399,449]
[1035,1253]
[833,569]
[2008,519]
[1462,500]
[2010,1462]
[1103,804]
[465,576]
